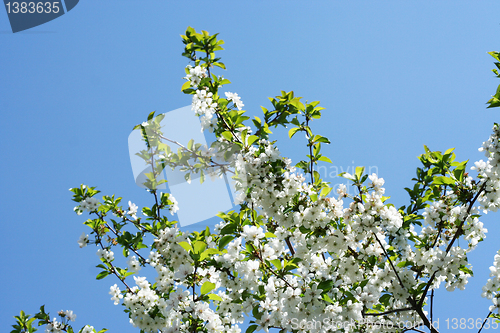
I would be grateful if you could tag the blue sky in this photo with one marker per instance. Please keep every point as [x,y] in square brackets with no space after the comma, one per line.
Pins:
[392,75]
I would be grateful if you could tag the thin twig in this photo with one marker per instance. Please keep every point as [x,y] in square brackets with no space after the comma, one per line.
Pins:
[484,322]
[432,303]
[290,246]
[130,248]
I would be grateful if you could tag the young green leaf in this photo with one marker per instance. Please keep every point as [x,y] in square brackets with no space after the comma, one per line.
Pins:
[207,287]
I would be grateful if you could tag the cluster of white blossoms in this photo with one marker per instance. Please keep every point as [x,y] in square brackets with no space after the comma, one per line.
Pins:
[133,264]
[173,266]
[58,327]
[203,105]
[490,172]
[233,97]
[115,293]
[195,75]
[88,329]
[142,301]
[88,204]
[54,327]
[174,207]
[448,265]
[83,240]
[492,288]
[68,314]
[132,210]
[106,255]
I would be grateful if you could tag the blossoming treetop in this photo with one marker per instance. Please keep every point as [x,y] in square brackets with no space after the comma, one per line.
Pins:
[294,253]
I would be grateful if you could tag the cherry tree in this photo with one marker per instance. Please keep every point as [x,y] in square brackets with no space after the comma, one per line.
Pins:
[294,256]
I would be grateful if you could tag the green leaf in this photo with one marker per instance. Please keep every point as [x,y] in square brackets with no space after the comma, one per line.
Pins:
[493,102]
[199,247]
[327,298]
[207,287]
[359,172]
[384,299]
[186,246]
[325,191]
[316,149]
[326,285]
[151,115]
[292,131]
[252,139]
[296,102]
[277,263]
[215,297]
[186,85]
[31,321]
[227,135]
[449,151]
[102,275]
[466,270]
[404,263]
[228,229]
[363,179]
[190,144]
[257,121]
[208,252]
[325,159]
[495,55]
[459,171]
[219,64]
[289,266]
[442,180]
[224,241]
[319,138]
[251,328]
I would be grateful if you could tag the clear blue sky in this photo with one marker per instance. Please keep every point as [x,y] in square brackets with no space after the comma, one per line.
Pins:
[393,75]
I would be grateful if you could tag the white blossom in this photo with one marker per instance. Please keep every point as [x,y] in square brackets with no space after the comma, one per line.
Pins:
[83,240]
